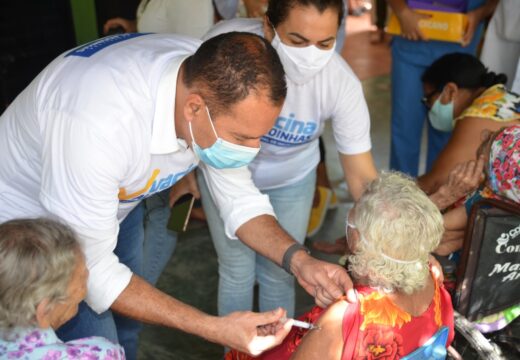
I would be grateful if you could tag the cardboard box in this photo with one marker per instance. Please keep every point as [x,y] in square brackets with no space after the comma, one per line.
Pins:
[443,26]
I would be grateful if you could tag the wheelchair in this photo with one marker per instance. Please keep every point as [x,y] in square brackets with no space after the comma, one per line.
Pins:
[488,281]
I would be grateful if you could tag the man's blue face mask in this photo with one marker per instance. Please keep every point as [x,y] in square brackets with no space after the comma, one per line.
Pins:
[223,154]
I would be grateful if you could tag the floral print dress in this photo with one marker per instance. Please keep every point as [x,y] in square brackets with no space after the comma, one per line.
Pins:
[504,164]
[43,344]
[495,103]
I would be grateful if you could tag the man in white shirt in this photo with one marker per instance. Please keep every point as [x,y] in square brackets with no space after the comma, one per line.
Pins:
[109,123]
[321,87]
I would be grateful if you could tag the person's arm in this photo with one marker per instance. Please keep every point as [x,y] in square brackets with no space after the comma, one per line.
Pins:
[475,17]
[323,280]
[451,241]
[462,180]
[359,170]
[248,215]
[255,8]
[408,19]
[453,238]
[461,147]
[351,129]
[238,330]
[327,342]
[81,173]
[81,177]
[456,219]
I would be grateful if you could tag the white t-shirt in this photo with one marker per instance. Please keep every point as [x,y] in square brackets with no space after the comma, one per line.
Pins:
[191,18]
[93,134]
[290,149]
[186,17]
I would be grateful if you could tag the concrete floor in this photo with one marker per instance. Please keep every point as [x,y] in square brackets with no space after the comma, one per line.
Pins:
[192,274]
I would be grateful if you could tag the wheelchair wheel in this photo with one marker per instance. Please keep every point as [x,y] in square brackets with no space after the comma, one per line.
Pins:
[471,344]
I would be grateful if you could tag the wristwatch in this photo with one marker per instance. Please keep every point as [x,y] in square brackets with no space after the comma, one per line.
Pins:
[289,253]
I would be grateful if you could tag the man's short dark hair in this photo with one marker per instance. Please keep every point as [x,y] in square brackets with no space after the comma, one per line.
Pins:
[228,67]
[278,10]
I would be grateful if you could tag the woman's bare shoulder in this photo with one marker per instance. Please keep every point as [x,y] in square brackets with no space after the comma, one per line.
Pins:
[327,342]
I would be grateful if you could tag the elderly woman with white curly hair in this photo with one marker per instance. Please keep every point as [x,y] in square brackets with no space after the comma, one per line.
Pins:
[402,308]
[42,280]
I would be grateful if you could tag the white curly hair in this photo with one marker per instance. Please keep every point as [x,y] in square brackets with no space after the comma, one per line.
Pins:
[399,226]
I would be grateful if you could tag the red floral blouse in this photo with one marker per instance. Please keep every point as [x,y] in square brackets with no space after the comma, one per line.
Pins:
[374,329]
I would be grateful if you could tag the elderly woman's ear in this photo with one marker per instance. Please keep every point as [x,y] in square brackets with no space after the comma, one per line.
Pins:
[43,318]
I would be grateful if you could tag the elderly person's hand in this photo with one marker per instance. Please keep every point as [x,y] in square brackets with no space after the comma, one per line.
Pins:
[462,180]
[466,177]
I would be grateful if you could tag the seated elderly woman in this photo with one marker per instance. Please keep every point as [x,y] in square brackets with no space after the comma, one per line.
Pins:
[42,280]
[390,233]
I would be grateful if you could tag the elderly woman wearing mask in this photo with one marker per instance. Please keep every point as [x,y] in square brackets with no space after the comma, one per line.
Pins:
[43,279]
[390,233]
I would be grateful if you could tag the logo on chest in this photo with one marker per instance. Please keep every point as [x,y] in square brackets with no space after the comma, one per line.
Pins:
[288,131]
[153,185]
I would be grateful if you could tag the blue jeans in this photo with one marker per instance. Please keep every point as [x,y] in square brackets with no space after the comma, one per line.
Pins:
[408,118]
[115,328]
[240,267]
[159,242]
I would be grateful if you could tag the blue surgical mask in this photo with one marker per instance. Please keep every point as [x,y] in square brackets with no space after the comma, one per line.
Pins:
[441,116]
[223,154]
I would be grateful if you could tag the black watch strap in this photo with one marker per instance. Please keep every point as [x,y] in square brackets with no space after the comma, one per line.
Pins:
[289,253]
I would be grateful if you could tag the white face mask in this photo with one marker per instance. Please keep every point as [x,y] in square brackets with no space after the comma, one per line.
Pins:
[301,63]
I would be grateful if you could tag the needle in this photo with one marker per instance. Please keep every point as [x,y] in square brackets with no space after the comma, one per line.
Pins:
[305,325]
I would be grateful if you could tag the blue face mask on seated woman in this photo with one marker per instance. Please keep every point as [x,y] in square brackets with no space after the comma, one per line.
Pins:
[223,154]
[441,115]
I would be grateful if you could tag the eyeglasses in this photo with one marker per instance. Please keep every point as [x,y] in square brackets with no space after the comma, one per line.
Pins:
[426,99]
